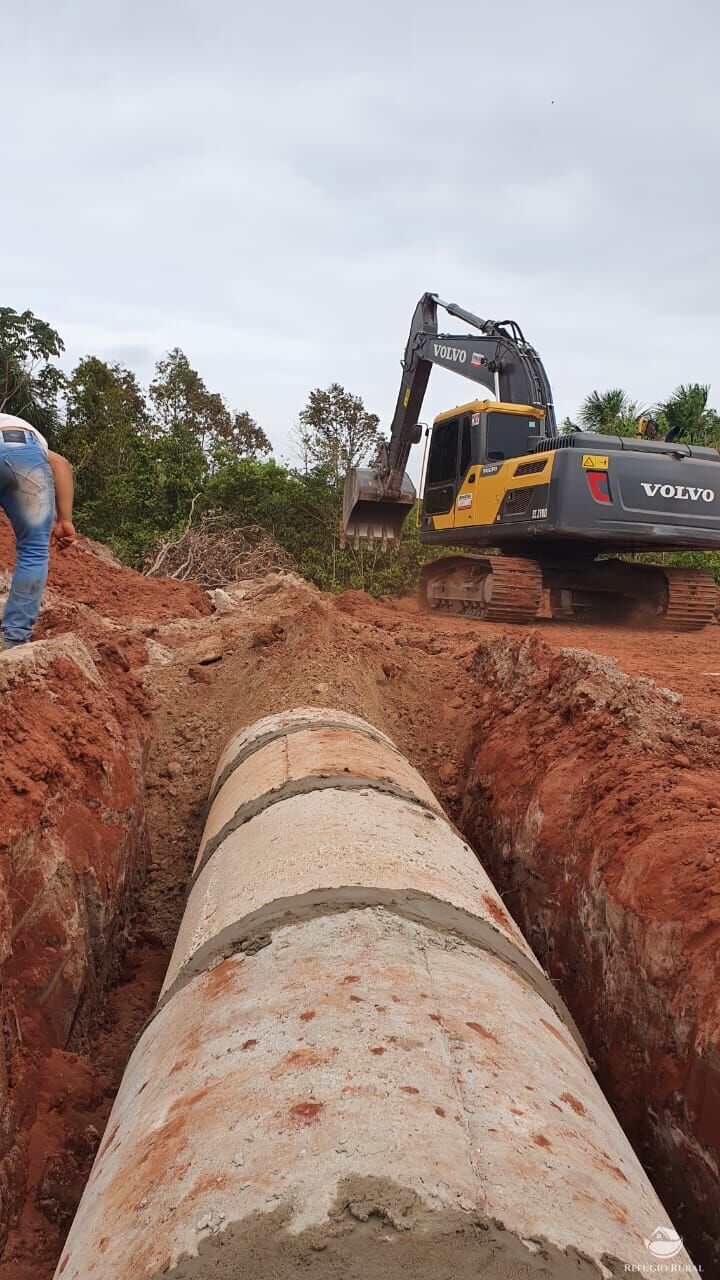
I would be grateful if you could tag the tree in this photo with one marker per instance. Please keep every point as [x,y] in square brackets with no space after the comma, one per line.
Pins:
[29,382]
[183,404]
[335,430]
[187,418]
[687,415]
[106,435]
[105,416]
[242,436]
[186,410]
[610,413]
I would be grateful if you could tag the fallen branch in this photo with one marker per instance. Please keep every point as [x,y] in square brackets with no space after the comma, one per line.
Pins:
[216,551]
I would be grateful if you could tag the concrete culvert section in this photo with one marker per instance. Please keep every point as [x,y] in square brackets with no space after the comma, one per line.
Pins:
[357,1067]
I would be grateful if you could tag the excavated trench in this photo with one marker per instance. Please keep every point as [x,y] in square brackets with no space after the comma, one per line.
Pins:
[589,795]
[349,1018]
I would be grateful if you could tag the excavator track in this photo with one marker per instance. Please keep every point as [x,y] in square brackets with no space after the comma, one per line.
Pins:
[510,589]
[608,591]
[692,598]
[494,588]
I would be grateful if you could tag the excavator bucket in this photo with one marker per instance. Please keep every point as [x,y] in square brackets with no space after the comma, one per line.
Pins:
[368,514]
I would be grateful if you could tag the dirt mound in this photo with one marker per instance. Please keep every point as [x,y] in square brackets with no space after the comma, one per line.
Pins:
[592,798]
[80,576]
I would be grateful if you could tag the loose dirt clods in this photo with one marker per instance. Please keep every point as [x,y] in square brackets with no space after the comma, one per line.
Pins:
[564,776]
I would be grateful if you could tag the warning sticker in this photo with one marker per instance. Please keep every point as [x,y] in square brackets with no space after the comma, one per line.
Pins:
[464,501]
[595,462]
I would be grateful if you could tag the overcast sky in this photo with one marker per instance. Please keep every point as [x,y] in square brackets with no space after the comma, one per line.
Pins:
[272,186]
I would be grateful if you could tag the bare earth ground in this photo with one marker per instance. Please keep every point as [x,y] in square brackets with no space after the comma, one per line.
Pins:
[284,644]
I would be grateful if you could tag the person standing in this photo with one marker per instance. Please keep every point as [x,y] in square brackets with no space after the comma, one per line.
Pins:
[36,494]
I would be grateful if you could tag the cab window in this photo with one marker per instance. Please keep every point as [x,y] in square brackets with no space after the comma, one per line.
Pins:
[442,463]
[507,435]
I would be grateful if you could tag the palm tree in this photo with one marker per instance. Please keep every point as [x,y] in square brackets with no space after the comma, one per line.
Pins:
[686,414]
[610,413]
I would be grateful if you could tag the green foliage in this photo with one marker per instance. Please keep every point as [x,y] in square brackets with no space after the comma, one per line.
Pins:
[685,413]
[335,431]
[687,416]
[29,382]
[302,511]
[107,435]
[610,413]
[707,560]
[395,572]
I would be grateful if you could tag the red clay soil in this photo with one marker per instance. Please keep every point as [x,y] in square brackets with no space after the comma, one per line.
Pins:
[414,675]
[109,589]
[73,740]
[593,801]
[71,852]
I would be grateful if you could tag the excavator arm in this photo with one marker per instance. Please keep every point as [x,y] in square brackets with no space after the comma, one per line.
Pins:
[376,500]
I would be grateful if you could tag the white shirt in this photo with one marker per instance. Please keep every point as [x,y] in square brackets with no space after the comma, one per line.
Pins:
[8,422]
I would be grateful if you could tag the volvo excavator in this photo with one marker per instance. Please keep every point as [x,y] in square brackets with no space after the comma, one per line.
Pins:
[537,510]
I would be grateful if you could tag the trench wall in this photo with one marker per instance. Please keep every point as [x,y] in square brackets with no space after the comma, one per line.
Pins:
[71,852]
[593,798]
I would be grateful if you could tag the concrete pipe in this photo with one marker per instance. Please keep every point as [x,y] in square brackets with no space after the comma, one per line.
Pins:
[357,1067]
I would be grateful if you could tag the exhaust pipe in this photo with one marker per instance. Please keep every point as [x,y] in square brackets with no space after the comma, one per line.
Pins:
[356,1067]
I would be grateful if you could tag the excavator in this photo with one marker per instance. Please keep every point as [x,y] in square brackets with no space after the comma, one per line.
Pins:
[539,513]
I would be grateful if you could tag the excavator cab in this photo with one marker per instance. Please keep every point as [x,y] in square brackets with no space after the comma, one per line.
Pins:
[465,443]
[466,447]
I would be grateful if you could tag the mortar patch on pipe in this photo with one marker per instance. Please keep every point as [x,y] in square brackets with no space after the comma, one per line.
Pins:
[316,754]
[283,720]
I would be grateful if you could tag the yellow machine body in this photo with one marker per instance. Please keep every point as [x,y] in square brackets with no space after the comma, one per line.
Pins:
[481,490]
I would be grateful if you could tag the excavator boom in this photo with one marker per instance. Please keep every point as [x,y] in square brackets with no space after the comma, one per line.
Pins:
[377,499]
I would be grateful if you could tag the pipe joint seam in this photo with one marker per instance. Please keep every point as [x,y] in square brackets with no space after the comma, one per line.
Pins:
[447,921]
[298,726]
[304,786]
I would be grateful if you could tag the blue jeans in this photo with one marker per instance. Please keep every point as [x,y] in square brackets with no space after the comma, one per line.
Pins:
[27,496]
